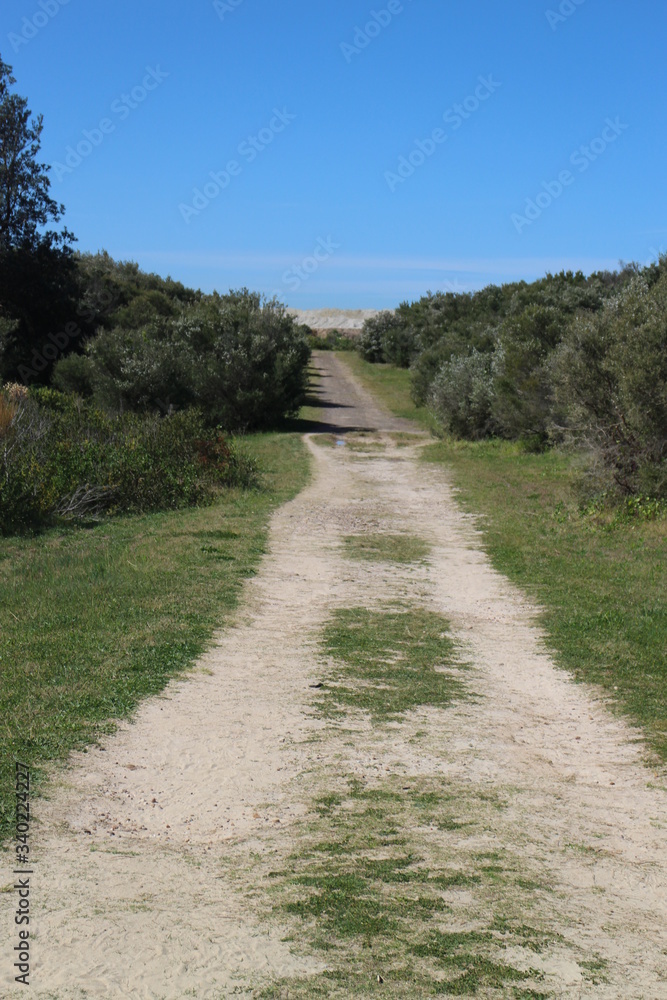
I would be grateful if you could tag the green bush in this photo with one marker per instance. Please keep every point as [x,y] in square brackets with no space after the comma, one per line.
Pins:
[463,394]
[388,338]
[241,362]
[611,376]
[524,403]
[62,459]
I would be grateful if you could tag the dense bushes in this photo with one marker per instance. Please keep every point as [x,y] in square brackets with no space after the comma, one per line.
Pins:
[242,362]
[55,301]
[462,394]
[61,459]
[611,375]
[388,338]
[567,358]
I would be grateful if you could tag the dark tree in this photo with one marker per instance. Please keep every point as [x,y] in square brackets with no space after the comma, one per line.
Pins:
[38,283]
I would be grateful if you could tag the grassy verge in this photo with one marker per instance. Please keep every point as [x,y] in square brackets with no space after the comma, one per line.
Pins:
[601,583]
[94,620]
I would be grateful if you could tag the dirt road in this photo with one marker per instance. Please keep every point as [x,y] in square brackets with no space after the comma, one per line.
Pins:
[168,859]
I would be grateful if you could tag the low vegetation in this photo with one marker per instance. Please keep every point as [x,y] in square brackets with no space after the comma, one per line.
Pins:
[333,340]
[62,460]
[386,548]
[384,885]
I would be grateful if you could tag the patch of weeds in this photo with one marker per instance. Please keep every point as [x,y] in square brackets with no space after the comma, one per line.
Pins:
[386,662]
[450,952]
[529,885]
[343,904]
[527,937]
[404,440]
[386,548]
[593,971]
[327,804]
[447,823]
[374,905]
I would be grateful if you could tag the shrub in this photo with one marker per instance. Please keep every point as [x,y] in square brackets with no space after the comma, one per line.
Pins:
[242,362]
[462,395]
[524,402]
[371,346]
[63,459]
[73,374]
[611,374]
[387,338]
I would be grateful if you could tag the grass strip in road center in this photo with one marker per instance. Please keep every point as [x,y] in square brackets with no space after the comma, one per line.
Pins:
[387,662]
[386,548]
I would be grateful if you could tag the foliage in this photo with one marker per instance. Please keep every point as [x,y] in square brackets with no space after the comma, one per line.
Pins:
[37,280]
[118,294]
[25,204]
[63,460]
[387,338]
[241,361]
[462,394]
[611,373]
[333,340]
[523,403]
[568,357]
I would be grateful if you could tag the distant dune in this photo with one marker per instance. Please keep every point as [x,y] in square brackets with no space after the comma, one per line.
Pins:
[333,319]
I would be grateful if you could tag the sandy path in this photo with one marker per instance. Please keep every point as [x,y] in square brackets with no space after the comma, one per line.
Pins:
[151,851]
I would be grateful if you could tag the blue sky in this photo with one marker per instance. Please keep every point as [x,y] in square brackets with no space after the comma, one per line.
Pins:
[306,121]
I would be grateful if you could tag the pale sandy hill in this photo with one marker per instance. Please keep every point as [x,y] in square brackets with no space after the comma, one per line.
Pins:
[333,319]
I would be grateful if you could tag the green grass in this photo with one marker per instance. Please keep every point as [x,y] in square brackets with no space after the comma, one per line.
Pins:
[365,898]
[602,581]
[94,620]
[386,548]
[385,662]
